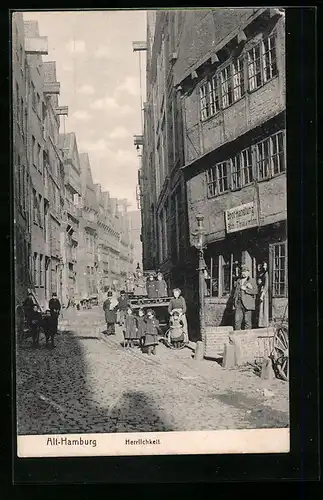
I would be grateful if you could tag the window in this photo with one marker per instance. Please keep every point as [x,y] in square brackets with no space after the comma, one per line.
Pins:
[209,98]
[238,79]
[35,270]
[39,157]
[270,156]
[221,274]
[33,150]
[217,179]
[226,87]
[33,96]
[41,270]
[241,169]
[35,203]
[22,114]
[262,63]
[38,103]
[40,211]
[279,269]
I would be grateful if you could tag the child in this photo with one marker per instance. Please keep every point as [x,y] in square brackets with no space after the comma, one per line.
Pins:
[123,304]
[178,302]
[48,327]
[151,332]
[130,328]
[161,286]
[141,324]
[176,329]
[35,322]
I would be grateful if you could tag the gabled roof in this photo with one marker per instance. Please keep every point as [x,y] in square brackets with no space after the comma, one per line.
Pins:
[90,198]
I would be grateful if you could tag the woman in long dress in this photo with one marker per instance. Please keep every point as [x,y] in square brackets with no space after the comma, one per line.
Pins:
[264,298]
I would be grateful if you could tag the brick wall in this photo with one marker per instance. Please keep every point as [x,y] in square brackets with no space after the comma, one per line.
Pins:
[216,338]
[252,345]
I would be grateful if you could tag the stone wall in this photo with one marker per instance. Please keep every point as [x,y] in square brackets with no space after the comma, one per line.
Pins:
[251,345]
[216,338]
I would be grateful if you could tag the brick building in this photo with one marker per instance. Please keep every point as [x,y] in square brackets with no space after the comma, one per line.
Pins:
[87,250]
[230,71]
[71,214]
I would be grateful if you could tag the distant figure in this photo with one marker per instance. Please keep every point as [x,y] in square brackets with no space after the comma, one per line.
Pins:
[123,304]
[130,329]
[151,332]
[177,302]
[151,287]
[244,300]
[35,324]
[161,286]
[55,309]
[110,311]
[140,287]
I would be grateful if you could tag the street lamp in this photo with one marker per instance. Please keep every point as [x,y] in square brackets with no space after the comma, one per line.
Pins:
[198,242]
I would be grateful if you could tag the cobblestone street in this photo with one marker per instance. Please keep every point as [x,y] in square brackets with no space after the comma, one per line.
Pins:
[90,383]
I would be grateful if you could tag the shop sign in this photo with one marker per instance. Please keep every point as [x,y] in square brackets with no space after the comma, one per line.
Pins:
[241,217]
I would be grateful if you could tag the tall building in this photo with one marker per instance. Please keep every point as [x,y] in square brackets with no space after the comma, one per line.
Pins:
[231,72]
[135,219]
[71,215]
[87,253]
[54,177]
[214,144]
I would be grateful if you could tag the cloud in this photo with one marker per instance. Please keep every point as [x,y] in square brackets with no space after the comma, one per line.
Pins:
[131,85]
[86,90]
[76,46]
[104,52]
[119,133]
[83,116]
[99,146]
[111,104]
[67,67]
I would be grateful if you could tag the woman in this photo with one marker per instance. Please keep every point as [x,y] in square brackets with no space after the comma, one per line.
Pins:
[110,311]
[130,328]
[177,302]
[151,287]
[263,321]
[161,286]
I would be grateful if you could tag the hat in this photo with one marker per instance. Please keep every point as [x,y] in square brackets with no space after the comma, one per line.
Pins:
[244,268]
[109,294]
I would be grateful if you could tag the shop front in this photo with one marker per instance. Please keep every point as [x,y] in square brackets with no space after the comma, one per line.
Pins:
[264,250]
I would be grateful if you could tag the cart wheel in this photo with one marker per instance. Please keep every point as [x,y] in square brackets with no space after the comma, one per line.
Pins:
[280,353]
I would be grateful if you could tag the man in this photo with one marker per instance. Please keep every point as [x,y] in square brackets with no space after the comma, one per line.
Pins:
[109,307]
[123,304]
[55,309]
[28,306]
[244,300]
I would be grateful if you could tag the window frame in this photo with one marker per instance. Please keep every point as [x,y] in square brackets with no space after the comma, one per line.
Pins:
[273,247]
[271,155]
[213,173]
[260,45]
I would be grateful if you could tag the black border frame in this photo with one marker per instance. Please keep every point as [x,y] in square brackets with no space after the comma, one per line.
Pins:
[303,461]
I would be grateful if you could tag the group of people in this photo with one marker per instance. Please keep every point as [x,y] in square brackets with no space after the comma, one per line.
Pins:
[36,320]
[143,329]
[152,288]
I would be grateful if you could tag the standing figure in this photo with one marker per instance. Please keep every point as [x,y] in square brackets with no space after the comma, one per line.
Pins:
[35,324]
[263,321]
[178,302]
[151,287]
[110,311]
[123,304]
[140,288]
[176,329]
[151,332]
[244,300]
[141,327]
[130,328]
[55,309]
[48,327]
[161,286]
[28,306]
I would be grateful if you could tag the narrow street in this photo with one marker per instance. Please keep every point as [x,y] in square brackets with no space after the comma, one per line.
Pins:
[89,383]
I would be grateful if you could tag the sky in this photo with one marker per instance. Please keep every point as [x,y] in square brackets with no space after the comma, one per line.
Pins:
[100,83]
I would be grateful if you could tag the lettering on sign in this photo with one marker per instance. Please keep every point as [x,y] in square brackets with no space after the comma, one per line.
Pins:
[241,217]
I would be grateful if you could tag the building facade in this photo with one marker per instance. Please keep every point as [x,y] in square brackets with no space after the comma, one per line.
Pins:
[87,252]
[71,215]
[233,88]
[135,219]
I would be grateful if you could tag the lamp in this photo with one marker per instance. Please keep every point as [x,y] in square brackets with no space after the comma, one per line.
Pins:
[198,242]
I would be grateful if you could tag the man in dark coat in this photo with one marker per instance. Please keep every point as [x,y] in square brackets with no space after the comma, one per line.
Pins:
[244,300]
[35,323]
[55,309]
[28,306]
[123,304]
[151,287]
[110,311]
